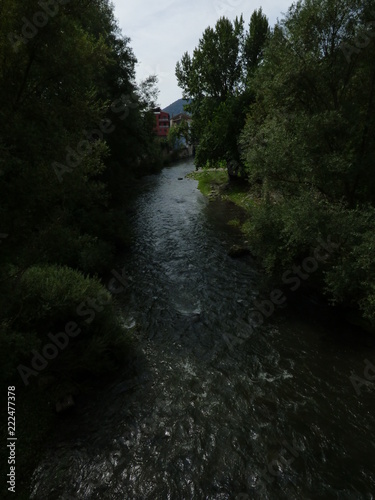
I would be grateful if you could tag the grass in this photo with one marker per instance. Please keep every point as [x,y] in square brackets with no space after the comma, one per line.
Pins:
[210,181]
[214,183]
[240,196]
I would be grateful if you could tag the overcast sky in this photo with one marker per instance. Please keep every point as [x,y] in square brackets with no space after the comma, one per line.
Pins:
[161,31]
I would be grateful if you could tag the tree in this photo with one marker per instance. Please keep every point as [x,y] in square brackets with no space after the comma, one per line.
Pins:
[305,95]
[214,78]
[309,139]
[74,129]
[214,71]
[209,78]
[74,126]
[179,135]
[255,41]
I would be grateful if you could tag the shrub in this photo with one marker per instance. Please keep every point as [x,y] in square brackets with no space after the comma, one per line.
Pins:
[67,246]
[95,256]
[45,300]
[47,296]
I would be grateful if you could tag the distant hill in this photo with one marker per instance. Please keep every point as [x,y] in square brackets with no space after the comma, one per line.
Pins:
[176,107]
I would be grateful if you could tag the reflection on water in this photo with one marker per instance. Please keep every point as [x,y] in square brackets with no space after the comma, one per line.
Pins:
[272,416]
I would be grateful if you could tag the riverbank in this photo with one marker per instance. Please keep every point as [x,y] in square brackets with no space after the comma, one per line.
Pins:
[216,185]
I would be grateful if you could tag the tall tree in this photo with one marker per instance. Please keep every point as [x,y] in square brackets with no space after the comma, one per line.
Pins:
[74,128]
[309,139]
[256,39]
[214,78]
[73,123]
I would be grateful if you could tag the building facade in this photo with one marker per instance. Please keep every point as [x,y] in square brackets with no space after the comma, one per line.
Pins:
[162,123]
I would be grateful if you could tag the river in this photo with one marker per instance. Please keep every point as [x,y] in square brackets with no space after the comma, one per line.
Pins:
[272,416]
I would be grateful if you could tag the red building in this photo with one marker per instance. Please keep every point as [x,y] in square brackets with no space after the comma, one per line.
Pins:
[162,123]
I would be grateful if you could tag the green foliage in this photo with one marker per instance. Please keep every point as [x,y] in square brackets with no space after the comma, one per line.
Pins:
[308,145]
[300,122]
[45,300]
[210,180]
[304,130]
[214,78]
[351,279]
[238,193]
[51,104]
[178,132]
[214,70]
[75,130]
[67,246]
[47,296]
[255,41]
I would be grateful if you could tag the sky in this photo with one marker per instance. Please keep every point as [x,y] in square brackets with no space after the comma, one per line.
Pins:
[161,31]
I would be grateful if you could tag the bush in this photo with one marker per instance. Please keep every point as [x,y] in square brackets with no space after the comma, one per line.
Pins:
[95,256]
[45,300]
[351,278]
[59,244]
[67,246]
[47,296]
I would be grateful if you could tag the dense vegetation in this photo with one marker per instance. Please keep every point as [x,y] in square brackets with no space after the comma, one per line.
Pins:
[216,80]
[293,109]
[75,131]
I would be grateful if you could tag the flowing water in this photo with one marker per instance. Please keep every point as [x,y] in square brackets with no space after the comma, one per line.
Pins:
[271,415]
